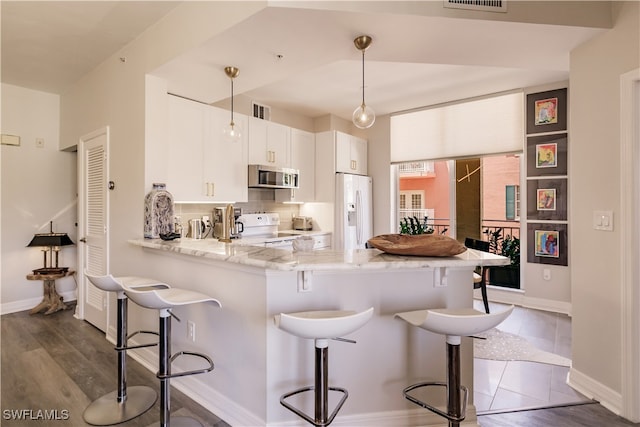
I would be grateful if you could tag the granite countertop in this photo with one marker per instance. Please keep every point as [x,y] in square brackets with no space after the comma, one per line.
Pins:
[287,260]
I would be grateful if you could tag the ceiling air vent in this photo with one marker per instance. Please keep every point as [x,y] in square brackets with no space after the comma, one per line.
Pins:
[486,5]
[261,111]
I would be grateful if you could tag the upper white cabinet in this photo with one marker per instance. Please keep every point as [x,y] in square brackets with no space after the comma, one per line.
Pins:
[203,167]
[225,162]
[351,154]
[186,133]
[303,147]
[269,143]
[337,152]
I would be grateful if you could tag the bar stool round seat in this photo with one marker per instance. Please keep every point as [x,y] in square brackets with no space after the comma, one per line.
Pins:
[321,326]
[168,298]
[164,300]
[124,403]
[454,323]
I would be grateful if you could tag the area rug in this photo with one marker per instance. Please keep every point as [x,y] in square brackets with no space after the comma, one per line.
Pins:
[500,345]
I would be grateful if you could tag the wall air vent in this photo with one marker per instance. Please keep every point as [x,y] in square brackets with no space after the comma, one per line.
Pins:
[486,5]
[261,111]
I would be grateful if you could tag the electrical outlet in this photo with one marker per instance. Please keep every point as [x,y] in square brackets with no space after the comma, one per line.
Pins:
[191,330]
[40,142]
[546,274]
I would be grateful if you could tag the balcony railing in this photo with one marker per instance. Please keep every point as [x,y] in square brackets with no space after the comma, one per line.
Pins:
[417,169]
[509,227]
[442,225]
[439,226]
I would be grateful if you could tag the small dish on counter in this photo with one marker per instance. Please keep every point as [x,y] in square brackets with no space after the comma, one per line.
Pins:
[435,245]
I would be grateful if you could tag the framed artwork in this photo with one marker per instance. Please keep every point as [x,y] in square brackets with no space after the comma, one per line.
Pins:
[547,111]
[547,243]
[547,199]
[547,155]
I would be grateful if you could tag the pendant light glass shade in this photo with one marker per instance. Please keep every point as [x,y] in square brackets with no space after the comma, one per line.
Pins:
[232,132]
[363,116]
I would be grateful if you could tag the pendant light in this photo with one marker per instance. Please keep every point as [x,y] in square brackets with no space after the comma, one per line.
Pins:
[232,132]
[363,116]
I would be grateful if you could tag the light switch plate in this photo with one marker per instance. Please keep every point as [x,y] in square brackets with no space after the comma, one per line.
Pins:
[603,220]
[10,139]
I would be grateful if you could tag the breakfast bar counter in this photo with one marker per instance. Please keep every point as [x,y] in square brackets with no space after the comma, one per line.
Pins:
[255,362]
[287,260]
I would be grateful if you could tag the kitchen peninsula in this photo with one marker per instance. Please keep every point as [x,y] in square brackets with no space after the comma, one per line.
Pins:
[256,362]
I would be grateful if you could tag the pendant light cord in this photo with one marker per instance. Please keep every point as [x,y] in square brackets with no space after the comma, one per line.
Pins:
[232,102]
[362,77]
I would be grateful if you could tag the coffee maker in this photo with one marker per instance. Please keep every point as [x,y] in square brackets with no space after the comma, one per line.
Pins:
[226,225]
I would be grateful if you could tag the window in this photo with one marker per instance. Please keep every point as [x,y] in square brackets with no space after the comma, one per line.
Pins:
[412,204]
[512,202]
[416,201]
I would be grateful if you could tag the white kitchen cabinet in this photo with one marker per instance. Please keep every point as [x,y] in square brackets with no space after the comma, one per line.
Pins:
[322,241]
[186,132]
[351,154]
[269,143]
[303,147]
[337,152]
[225,162]
[203,167]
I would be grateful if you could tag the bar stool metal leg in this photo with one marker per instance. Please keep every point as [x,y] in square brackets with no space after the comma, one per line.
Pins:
[122,404]
[454,407]
[457,394]
[164,374]
[320,390]
[321,385]
[164,367]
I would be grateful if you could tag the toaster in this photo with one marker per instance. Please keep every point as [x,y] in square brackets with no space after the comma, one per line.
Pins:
[302,223]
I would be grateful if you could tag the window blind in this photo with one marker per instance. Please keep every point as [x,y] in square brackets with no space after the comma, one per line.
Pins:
[473,128]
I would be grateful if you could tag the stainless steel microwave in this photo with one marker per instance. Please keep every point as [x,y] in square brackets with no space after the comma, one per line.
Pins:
[263,176]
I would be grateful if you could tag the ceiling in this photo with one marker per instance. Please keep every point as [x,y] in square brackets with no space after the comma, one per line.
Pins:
[49,45]
[300,60]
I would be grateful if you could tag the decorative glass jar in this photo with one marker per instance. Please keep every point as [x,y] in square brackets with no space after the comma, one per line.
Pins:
[158,212]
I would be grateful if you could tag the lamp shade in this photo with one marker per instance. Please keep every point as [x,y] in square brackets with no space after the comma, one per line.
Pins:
[51,239]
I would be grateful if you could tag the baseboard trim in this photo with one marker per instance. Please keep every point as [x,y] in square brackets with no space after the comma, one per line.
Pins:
[520,298]
[28,304]
[609,398]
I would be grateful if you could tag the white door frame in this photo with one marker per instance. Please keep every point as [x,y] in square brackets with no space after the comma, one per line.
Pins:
[630,270]
[80,308]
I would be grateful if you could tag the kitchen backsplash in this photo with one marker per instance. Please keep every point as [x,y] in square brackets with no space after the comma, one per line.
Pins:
[260,200]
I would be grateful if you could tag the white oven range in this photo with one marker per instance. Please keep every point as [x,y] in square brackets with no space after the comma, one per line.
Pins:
[262,229]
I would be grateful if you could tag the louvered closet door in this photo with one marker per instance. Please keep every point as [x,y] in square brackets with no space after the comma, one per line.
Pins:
[94,225]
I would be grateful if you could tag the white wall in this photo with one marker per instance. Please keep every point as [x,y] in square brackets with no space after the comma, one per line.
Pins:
[38,186]
[594,184]
[114,95]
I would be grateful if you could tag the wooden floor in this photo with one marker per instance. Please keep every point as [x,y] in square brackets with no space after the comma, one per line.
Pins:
[585,415]
[57,363]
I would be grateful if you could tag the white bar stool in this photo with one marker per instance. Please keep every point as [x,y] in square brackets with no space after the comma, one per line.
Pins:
[321,326]
[122,404]
[164,300]
[454,323]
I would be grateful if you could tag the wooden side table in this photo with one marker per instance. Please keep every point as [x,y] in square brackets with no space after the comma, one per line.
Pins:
[51,301]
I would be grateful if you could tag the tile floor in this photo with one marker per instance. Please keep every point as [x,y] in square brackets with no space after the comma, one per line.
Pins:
[501,386]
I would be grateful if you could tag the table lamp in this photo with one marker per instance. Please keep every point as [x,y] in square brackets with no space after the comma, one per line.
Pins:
[50,242]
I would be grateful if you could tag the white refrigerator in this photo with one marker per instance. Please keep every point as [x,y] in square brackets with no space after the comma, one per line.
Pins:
[353,225]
